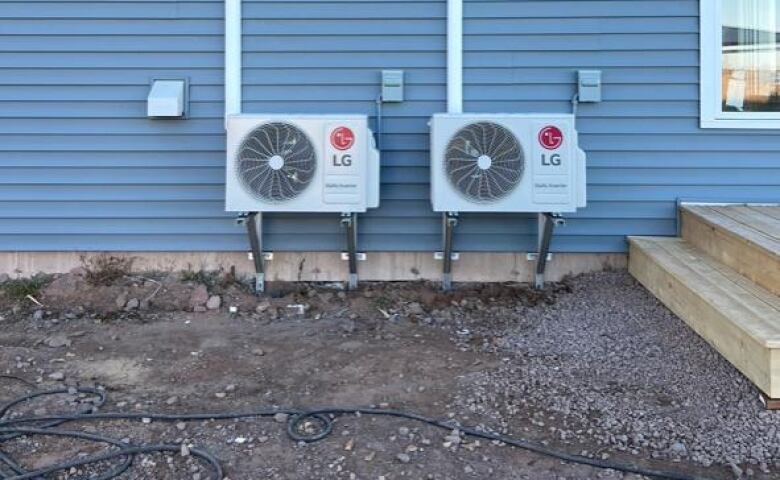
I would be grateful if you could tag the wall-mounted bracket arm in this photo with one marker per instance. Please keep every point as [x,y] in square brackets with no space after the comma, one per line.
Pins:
[547,223]
[349,222]
[449,222]
[254,228]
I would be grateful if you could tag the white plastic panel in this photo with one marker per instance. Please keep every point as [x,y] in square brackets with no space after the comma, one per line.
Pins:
[553,178]
[346,163]
[346,177]
[553,158]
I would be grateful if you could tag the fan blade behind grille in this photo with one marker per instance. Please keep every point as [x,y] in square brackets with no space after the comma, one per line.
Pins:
[484,161]
[276,162]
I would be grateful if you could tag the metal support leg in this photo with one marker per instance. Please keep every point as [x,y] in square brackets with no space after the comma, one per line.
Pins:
[547,222]
[450,221]
[349,222]
[254,227]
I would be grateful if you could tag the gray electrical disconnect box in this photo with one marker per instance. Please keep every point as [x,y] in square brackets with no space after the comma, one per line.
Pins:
[589,86]
[392,86]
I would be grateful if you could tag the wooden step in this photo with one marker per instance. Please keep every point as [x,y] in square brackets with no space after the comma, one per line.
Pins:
[737,317]
[744,237]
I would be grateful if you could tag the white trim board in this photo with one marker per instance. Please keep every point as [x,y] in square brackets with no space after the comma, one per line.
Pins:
[711,40]
[328,266]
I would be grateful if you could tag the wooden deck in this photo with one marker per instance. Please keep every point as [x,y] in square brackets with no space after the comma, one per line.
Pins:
[746,238]
[723,279]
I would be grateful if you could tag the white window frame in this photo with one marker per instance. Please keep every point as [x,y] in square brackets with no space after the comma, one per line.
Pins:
[711,47]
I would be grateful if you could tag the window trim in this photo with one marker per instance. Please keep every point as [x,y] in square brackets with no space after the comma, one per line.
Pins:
[711,42]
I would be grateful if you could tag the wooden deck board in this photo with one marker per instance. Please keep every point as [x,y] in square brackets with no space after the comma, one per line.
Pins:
[753,220]
[715,217]
[754,312]
[734,287]
[741,237]
[772,212]
[758,292]
[740,320]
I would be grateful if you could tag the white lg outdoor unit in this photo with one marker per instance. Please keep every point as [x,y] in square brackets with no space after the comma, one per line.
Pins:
[506,163]
[301,163]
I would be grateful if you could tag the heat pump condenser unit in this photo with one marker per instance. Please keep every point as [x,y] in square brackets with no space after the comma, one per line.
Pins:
[506,163]
[524,163]
[301,163]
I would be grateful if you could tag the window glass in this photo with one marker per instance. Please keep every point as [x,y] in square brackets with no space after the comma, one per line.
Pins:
[751,56]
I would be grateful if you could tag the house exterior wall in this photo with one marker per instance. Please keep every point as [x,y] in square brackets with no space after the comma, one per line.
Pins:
[82,168]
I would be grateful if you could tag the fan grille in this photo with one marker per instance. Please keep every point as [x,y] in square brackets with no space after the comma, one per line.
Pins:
[276,162]
[484,161]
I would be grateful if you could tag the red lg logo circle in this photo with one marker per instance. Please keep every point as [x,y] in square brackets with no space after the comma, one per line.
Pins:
[551,137]
[342,138]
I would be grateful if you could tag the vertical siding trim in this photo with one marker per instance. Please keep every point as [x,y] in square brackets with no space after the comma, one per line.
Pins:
[455,56]
[233,52]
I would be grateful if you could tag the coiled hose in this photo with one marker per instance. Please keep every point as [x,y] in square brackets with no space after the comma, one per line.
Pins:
[308,426]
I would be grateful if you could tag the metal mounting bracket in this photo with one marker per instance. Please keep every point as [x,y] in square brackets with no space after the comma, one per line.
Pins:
[361,256]
[349,222]
[531,257]
[449,222]
[254,227]
[267,256]
[547,223]
[455,256]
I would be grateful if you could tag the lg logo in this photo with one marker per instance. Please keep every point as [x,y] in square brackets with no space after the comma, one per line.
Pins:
[342,138]
[342,161]
[553,160]
[551,137]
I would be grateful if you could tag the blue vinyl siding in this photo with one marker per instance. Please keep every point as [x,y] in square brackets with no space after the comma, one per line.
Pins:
[81,168]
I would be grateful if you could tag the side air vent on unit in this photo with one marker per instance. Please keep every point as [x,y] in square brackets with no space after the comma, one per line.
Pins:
[276,162]
[484,161]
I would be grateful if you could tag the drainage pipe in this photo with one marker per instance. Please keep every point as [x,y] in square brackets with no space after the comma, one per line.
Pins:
[454,56]
[233,50]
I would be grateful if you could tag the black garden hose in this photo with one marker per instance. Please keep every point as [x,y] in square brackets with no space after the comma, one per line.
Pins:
[318,425]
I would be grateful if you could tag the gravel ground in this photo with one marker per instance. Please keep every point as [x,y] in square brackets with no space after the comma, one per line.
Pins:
[593,365]
[610,362]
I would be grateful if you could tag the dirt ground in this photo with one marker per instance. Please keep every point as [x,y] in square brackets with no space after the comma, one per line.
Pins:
[405,346]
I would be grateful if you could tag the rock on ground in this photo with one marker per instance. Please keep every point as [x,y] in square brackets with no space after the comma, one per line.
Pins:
[214,302]
[199,296]
[591,365]
[610,360]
